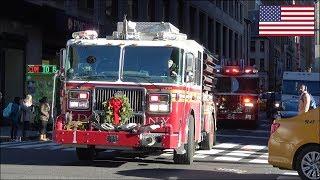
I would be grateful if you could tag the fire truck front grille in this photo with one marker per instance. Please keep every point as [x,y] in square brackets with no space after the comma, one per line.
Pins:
[136,99]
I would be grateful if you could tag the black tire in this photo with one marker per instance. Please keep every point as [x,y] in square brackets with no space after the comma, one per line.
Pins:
[86,154]
[187,158]
[304,152]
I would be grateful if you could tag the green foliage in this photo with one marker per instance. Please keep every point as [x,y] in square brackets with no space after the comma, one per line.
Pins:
[125,111]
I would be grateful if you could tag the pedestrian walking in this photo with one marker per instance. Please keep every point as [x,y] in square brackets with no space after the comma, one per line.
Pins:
[26,109]
[14,118]
[304,100]
[44,117]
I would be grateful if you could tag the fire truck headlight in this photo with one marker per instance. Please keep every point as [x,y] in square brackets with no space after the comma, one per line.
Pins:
[155,107]
[76,104]
[159,103]
[248,104]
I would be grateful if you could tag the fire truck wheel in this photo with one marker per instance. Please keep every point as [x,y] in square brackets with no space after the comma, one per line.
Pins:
[187,158]
[86,154]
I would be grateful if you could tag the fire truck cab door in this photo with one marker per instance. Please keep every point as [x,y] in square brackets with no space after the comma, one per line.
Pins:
[190,91]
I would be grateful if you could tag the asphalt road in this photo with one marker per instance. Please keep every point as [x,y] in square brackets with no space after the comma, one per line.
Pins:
[239,154]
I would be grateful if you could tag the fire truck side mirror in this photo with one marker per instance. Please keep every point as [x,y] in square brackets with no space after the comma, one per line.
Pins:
[63,55]
[190,63]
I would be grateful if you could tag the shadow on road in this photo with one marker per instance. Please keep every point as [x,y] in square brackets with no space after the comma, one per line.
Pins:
[68,158]
[165,173]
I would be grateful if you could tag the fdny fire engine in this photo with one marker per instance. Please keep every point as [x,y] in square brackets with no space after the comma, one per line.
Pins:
[145,87]
[237,93]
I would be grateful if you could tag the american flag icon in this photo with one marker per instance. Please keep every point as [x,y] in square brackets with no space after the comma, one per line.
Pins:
[287,20]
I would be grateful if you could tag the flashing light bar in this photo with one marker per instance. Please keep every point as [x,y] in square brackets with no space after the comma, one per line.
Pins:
[88,34]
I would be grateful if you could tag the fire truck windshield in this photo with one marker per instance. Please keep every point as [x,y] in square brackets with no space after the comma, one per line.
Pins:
[237,85]
[152,64]
[93,62]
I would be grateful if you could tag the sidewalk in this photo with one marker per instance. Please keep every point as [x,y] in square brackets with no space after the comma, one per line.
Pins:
[31,135]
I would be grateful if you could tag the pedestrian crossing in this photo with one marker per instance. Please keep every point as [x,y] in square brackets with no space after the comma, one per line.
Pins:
[223,152]
[231,152]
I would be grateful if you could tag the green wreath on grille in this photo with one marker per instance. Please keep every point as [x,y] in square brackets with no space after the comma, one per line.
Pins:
[125,111]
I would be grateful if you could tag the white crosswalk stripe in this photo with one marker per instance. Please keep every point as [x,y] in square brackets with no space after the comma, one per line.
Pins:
[231,152]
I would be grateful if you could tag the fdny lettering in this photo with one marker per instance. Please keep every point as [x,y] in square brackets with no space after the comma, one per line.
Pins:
[154,120]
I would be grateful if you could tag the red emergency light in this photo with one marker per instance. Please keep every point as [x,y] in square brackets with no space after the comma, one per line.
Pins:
[232,70]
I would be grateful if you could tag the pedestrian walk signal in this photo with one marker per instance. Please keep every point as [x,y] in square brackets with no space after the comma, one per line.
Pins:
[42,69]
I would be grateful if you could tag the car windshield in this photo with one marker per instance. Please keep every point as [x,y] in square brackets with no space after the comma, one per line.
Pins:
[93,62]
[290,106]
[152,64]
[292,87]
[237,85]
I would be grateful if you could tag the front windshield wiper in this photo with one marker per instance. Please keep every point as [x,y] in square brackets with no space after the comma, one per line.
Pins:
[91,76]
[144,78]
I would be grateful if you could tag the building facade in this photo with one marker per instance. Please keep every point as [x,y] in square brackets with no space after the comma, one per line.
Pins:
[32,32]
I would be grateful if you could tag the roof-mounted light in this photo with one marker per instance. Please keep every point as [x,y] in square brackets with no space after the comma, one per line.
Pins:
[88,34]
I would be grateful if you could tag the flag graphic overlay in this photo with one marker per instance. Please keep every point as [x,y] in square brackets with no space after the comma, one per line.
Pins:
[286,20]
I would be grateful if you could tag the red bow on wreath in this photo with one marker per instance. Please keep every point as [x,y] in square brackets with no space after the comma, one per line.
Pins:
[116,105]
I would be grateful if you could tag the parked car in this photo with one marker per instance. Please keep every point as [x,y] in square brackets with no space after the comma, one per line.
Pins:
[294,144]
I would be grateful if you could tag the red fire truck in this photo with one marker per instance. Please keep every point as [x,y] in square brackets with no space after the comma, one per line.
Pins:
[145,87]
[237,93]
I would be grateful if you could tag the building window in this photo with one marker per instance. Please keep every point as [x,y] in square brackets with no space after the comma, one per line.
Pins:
[210,34]
[192,22]
[225,31]
[181,14]
[202,27]
[90,4]
[225,6]
[132,9]
[261,46]
[252,46]
[236,49]
[230,44]
[241,13]
[237,10]
[112,9]
[252,62]
[166,10]
[230,9]
[218,38]
[86,5]
[151,10]
[218,3]
[262,64]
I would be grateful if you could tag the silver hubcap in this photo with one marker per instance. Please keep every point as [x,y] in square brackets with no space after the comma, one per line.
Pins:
[310,165]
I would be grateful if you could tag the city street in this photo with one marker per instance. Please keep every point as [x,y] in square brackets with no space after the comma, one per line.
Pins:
[238,154]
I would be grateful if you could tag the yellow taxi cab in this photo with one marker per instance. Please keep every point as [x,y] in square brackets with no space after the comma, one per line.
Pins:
[294,144]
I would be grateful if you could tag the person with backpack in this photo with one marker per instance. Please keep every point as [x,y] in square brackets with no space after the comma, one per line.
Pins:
[14,117]
[304,100]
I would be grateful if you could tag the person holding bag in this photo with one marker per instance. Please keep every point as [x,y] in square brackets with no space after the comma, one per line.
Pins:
[44,117]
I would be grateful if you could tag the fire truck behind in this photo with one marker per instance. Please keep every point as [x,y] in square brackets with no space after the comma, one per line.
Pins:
[146,87]
[237,93]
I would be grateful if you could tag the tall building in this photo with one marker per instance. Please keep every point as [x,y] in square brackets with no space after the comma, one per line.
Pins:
[259,48]
[221,26]
[32,32]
